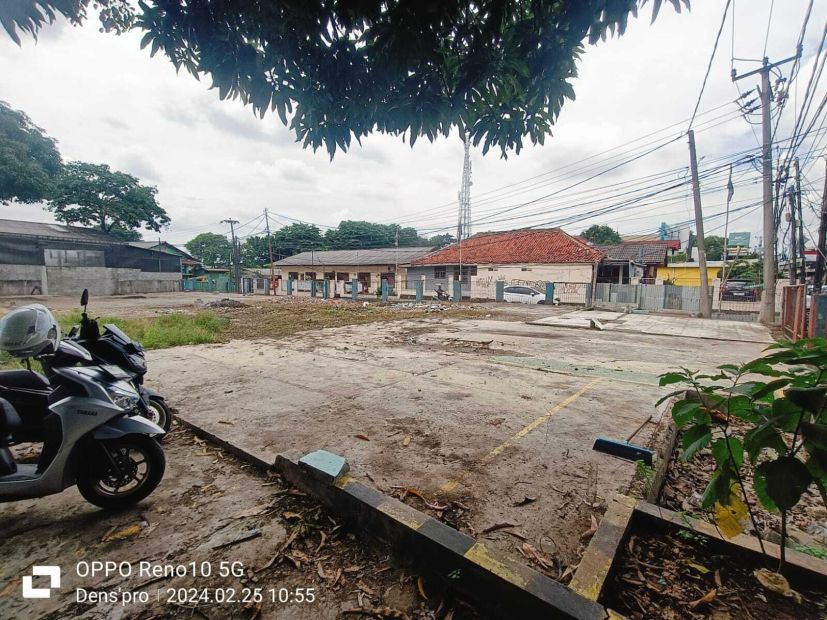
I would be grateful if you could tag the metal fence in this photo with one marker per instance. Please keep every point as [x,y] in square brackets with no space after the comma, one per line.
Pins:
[671,298]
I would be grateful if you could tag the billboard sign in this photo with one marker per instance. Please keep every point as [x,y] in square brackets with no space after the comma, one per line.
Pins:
[739,239]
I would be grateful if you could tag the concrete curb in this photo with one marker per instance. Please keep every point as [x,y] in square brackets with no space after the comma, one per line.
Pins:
[504,587]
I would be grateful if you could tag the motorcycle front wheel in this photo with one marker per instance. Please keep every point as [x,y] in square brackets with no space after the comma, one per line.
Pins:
[121,472]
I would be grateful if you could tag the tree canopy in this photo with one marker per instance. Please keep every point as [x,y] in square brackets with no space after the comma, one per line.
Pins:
[598,233]
[211,249]
[29,159]
[356,235]
[714,247]
[114,202]
[337,70]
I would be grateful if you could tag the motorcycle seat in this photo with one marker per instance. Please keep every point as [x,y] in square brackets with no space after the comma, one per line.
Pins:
[24,379]
[9,419]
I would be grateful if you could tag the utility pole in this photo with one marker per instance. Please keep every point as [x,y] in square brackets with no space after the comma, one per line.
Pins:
[802,255]
[793,262]
[767,314]
[822,234]
[706,309]
[234,257]
[270,252]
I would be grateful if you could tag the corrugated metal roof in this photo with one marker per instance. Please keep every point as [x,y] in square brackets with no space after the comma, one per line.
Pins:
[153,245]
[544,246]
[378,256]
[644,253]
[55,231]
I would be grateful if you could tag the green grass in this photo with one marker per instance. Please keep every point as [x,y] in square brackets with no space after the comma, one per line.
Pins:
[169,330]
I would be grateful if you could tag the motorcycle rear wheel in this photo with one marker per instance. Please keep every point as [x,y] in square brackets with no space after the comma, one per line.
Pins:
[140,467]
[161,413]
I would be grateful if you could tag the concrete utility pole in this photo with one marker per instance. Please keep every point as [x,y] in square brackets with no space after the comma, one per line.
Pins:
[234,256]
[767,314]
[802,255]
[822,237]
[706,306]
[270,252]
[793,262]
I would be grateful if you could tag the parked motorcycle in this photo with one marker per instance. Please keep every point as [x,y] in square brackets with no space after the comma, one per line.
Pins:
[113,346]
[89,440]
[29,391]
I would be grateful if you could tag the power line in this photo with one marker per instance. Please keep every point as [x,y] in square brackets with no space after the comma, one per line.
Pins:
[709,65]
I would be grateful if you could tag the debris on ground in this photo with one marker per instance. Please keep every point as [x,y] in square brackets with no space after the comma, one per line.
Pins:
[226,302]
[668,572]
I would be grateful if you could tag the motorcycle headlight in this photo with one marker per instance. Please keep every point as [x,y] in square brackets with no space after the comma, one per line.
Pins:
[123,397]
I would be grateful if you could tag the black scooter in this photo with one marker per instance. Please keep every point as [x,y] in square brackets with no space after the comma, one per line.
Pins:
[114,347]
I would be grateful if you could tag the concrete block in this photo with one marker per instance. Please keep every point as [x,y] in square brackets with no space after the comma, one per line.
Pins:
[325,465]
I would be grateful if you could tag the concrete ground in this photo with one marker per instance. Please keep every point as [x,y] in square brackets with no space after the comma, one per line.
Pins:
[220,514]
[499,416]
[665,325]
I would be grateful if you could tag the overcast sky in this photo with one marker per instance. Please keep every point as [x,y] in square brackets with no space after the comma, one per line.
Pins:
[106,101]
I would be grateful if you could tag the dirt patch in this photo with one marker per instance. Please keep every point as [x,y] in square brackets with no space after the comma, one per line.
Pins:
[665,572]
[286,316]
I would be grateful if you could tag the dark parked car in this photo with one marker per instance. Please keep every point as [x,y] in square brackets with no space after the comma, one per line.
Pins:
[739,290]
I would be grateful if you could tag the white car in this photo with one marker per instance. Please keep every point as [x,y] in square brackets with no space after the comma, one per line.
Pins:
[523,295]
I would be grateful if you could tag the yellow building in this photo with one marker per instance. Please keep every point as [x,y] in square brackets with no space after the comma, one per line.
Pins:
[689,274]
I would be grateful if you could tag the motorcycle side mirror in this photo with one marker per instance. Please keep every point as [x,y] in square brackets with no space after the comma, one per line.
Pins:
[84,298]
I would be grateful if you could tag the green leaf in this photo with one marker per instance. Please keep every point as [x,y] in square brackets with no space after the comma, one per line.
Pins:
[761,437]
[684,412]
[785,479]
[694,439]
[816,434]
[721,451]
[718,489]
[668,396]
[769,388]
[808,398]
[785,414]
[817,462]
[672,377]
[759,485]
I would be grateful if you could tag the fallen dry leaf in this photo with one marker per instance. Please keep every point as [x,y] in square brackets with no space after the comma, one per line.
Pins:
[252,512]
[320,570]
[526,500]
[390,612]
[125,532]
[498,526]
[706,598]
[365,588]
[420,585]
[322,541]
[291,515]
[776,582]
[589,532]
[362,437]
[407,441]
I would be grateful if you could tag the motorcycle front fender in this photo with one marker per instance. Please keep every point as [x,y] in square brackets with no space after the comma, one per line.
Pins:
[150,393]
[125,425]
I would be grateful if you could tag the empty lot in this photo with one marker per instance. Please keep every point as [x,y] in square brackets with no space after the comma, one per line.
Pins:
[499,416]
